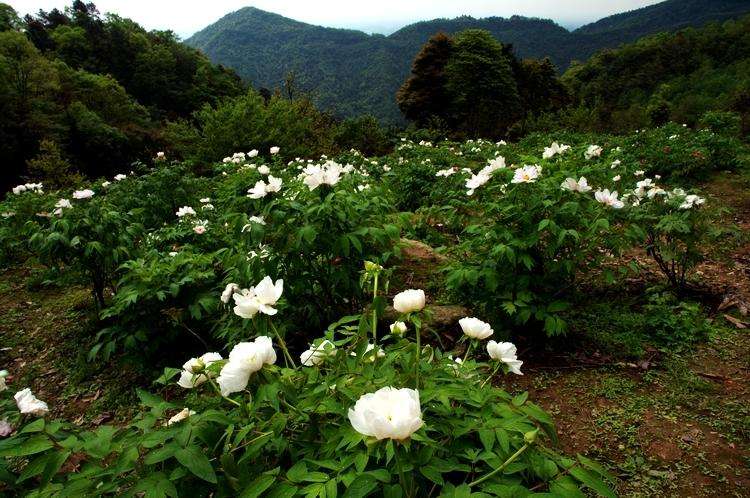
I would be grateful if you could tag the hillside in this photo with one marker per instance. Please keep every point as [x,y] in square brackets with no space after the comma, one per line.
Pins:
[669,76]
[351,72]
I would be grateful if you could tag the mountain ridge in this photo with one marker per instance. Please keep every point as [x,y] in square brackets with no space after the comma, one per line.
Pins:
[351,72]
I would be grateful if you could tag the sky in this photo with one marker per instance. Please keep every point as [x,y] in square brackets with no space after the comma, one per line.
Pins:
[185,17]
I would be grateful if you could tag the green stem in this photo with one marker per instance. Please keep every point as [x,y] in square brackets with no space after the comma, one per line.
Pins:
[287,356]
[510,460]
[213,384]
[494,371]
[400,470]
[468,349]
[419,355]
[375,312]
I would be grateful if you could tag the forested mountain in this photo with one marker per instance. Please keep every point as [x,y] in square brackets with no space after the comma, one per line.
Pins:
[352,73]
[89,93]
[669,76]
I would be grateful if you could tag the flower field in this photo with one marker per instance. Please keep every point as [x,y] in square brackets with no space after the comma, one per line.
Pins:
[282,342]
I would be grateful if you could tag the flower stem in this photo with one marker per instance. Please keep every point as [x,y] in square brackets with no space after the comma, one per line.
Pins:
[213,384]
[375,311]
[468,349]
[510,460]
[419,354]
[287,356]
[400,470]
[494,371]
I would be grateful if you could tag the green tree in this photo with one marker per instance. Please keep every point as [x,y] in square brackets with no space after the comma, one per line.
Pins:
[9,19]
[29,84]
[51,167]
[424,95]
[484,94]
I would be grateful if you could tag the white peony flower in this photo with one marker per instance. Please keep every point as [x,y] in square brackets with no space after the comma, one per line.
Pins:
[267,293]
[185,211]
[475,328]
[63,203]
[253,153]
[475,182]
[262,297]
[494,165]
[29,404]
[317,354]
[446,172]
[194,370]
[506,353]
[593,151]
[264,170]
[554,149]
[120,177]
[616,178]
[83,194]
[274,150]
[245,303]
[582,185]
[388,413]
[691,201]
[229,290]
[527,174]
[179,417]
[608,199]
[199,229]
[274,184]
[409,300]
[398,328]
[258,191]
[245,359]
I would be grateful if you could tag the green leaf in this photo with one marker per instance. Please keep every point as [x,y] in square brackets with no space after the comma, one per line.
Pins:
[196,462]
[31,446]
[258,486]
[592,481]
[35,426]
[362,486]
[297,472]
[520,399]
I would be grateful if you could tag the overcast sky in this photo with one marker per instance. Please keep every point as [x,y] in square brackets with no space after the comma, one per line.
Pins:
[383,16]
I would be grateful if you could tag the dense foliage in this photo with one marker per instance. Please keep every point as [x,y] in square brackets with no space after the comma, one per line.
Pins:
[353,73]
[90,94]
[471,85]
[167,254]
[666,77]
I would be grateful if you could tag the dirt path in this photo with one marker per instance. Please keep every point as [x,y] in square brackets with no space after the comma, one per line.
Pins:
[44,339]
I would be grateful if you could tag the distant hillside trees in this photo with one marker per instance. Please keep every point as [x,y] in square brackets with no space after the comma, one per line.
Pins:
[94,92]
[676,77]
[476,86]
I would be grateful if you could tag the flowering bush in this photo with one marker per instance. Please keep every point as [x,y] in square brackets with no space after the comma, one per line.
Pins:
[396,419]
[93,238]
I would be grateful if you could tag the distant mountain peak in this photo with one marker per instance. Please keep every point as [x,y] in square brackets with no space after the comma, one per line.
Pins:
[351,72]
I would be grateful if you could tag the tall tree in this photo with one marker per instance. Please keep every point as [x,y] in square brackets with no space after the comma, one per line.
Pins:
[9,19]
[424,95]
[484,94]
